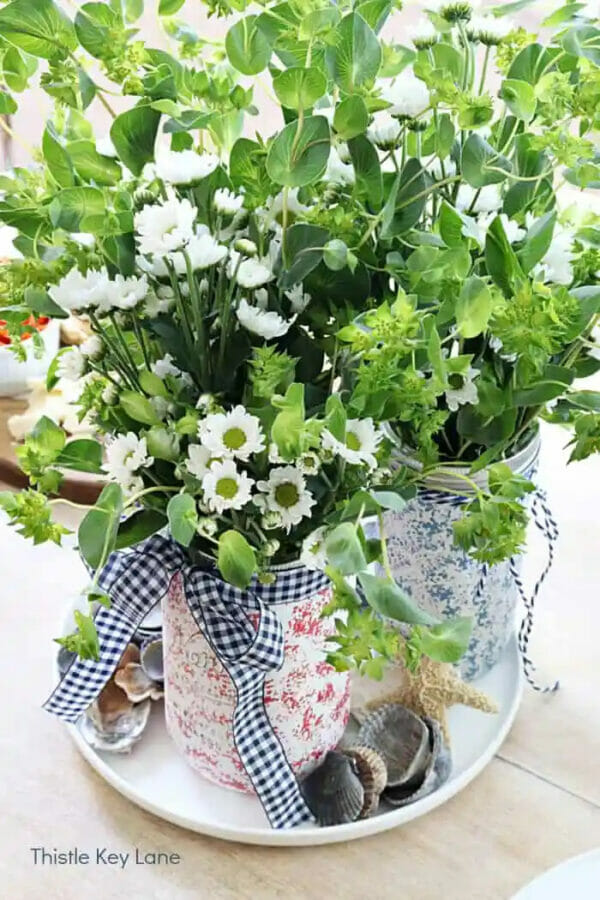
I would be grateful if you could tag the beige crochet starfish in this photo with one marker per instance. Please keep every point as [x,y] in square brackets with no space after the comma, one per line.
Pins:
[432,689]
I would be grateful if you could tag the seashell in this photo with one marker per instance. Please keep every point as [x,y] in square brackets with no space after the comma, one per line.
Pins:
[333,791]
[151,659]
[135,682]
[372,771]
[401,738]
[113,722]
[64,658]
[131,654]
[433,775]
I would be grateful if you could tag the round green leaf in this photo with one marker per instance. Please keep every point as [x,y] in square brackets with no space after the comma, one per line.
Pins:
[351,117]
[520,98]
[481,164]
[335,255]
[473,307]
[72,206]
[133,133]
[139,408]
[91,165]
[169,7]
[93,24]
[299,88]
[183,518]
[247,47]
[344,549]
[356,54]
[298,155]
[37,27]
[98,530]
[386,598]
[236,559]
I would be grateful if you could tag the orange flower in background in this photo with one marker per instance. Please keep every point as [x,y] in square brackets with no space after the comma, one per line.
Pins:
[36,324]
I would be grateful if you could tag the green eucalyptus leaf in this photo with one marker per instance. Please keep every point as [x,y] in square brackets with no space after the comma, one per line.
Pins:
[169,7]
[57,159]
[298,155]
[17,69]
[520,98]
[183,518]
[390,601]
[351,117]
[367,169]
[537,241]
[163,443]
[501,260]
[481,164]
[152,384]
[446,642]
[455,226]
[138,408]
[473,307]
[356,55]
[236,559]
[98,530]
[588,400]
[335,255]
[529,64]
[91,165]
[72,206]
[38,27]
[39,302]
[583,40]
[344,549]
[304,251]
[375,12]
[139,526]
[318,21]
[8,105]
[94,24]
[299,88]
[247,48]
[410,199]
[81,455]
[134,133]
[553,383]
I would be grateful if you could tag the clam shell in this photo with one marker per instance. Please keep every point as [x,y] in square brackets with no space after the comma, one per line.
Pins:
[112,722]
[333,791]
[151,659]
[372,771]
[64,660]
[435,773]
[401,738]
[137,685]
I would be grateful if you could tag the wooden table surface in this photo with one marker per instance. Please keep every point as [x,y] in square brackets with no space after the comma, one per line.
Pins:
[536,804]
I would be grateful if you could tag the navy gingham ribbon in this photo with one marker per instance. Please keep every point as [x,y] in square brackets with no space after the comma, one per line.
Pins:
[136,581]
[544,521]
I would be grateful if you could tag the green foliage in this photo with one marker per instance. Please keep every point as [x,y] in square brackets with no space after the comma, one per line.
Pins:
[183,518]
[236,559]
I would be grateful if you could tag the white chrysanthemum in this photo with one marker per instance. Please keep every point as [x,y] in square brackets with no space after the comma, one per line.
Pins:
[252,273]
[203,250]
[184,166]
[110,394]
[489,30]
[360,446]
[105,147]
[165,366]
[437,171]
[384,130]
[462,388]
[313,554]
[226,202]
[157,303]
[92,347]
[557,264]
[165,227]
[337,171]
[488,199]
[267,325]
[407,94]
[235,434]
[71,364]
[512,230]
[198,460]
[225,487]
[286,494]
[309,463]
[453,10]
[273,214]
[423,35]
[76,291]
[124,293]
[298,299]
[126,455]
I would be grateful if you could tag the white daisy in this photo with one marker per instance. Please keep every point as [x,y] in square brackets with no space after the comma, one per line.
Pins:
[235,434]
[252,273]
[448,170]
[313,554]
[360,446]
[423,35]
[71,364]
[489,198]
[453,10]
[198,460]
[203,251]
[308,463]
[124,293]
[76,291]
[337,171]
[166,226]
[92,347]
[267,325]
[407,94]
[226,202]
[556,265]
[462,388]
[286,494]
[184,166]
[126,454]
[298,298]
[489,30]
[225,487]
[512,230]
[165,366]
[384,130]
[160,302]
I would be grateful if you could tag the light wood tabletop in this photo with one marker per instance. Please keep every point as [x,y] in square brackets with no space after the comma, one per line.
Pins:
[536,804]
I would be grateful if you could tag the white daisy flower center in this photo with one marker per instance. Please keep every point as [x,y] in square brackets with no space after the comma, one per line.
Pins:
[227,488]
[287,494]
[234,438]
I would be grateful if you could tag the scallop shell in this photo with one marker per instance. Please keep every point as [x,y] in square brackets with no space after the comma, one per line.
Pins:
[137,685]
[333,791]
[401,738]
[372,771]
[113,722]
[434,774]
[151,659]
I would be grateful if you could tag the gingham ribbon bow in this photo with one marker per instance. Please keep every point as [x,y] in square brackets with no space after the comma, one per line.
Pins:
[135,582]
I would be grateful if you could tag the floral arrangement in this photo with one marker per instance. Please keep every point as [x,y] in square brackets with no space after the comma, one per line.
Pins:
[276,318]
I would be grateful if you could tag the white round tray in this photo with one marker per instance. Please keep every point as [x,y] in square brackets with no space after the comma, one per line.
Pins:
[159,780]
[578,878]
